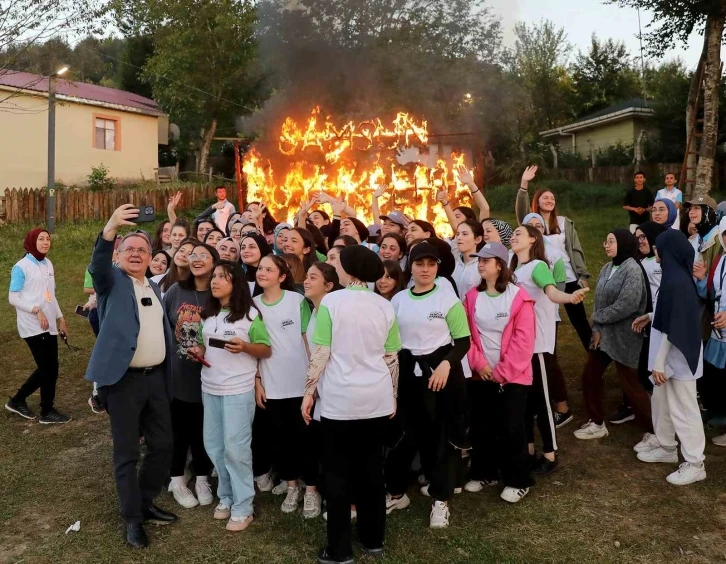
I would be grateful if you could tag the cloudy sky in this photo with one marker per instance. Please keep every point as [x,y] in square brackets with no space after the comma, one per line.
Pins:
[581,18]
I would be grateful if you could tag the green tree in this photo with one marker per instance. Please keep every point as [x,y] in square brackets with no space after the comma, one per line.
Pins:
[603,77]
[204,67]
[137,50]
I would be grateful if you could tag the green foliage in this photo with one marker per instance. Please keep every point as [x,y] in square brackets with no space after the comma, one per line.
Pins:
[137,50]
[618,154]
[570,195]
[100,179]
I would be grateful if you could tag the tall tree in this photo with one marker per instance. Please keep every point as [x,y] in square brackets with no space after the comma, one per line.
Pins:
[204,67]
[675,22]
[603,77]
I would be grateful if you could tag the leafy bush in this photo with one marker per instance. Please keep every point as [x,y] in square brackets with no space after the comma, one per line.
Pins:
[570,195]
[615,155]
[100,179]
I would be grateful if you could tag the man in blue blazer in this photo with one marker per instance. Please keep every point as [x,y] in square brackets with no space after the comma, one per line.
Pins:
[131,364]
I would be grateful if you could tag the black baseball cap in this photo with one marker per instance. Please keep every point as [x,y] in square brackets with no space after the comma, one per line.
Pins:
[424,249]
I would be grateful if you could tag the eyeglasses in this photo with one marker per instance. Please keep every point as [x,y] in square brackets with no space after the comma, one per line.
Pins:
[134,250]
[609,243]
[200,256]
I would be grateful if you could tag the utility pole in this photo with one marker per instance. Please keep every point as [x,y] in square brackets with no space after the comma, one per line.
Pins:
[50,185]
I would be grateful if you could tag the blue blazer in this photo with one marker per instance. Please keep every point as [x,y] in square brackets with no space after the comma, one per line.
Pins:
[118,315]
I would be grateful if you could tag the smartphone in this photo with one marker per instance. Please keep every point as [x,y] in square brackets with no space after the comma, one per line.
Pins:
[146,214]
[217,343]
[82,312]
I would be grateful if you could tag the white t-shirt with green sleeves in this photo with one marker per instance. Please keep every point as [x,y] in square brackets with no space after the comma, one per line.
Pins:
[231,374]
[534,277]
[429,322]
[360,328]
[283,374]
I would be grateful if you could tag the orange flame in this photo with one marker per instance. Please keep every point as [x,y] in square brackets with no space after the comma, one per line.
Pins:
[349,162]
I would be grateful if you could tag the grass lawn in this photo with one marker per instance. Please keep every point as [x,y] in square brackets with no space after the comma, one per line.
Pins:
[601,505]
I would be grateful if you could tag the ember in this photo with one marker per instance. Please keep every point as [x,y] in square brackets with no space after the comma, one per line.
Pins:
[349,162]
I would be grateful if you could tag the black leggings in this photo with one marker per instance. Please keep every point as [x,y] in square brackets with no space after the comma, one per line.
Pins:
[44,348]
[187,421]
[578,317]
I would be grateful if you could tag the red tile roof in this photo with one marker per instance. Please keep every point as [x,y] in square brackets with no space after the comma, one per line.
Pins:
[81,92]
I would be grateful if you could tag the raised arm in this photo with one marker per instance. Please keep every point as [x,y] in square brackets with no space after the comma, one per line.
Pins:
[375,209]
[101,267]
[466,178]
[522,205]
[171,208]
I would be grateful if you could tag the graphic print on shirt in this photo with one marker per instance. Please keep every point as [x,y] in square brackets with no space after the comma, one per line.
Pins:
[187,327]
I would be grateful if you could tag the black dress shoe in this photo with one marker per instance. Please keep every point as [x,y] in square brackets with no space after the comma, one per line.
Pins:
[158,516]
[136,535]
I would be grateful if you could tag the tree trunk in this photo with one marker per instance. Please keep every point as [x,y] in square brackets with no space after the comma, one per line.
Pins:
[206,144]
[712,81]
[687,183]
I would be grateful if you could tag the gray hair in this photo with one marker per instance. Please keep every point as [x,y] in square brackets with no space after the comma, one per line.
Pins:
[136,234]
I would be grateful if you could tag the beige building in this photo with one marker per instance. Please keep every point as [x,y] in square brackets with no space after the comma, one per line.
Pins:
[94,125]
[622,123]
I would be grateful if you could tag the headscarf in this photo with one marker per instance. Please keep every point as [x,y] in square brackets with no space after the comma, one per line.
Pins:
[251,270]
[30,244]
[672,212]
[239,255]
[530,216]
[677,311]
[651,230]
[279,227]
[627,246]
[361,263]
[708,221]
[504,229]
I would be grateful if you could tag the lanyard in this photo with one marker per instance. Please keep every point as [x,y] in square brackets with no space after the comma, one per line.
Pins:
[45,276]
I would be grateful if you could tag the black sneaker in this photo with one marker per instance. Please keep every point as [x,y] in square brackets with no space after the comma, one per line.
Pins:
[372,552]
[54,417]
[562,419]
[19,407]
[623,415]
[325,558]
[532,461]
[545,466]
[95,404]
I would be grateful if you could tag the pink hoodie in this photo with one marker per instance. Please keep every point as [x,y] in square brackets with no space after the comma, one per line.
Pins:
[515,366]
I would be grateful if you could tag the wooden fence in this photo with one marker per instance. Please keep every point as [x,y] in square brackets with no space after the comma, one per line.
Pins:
[29,205]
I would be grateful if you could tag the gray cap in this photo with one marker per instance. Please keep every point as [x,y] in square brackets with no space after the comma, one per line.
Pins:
[493,250]
[396,217]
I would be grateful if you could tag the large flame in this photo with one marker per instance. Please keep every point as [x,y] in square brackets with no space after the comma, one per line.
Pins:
[349,162]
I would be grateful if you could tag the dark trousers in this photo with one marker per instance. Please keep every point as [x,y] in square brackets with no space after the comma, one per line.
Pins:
[498,433]
[712,389]
[538,404]
[593,389]
[352,457]
[94,321]
[578,317]
[44,348]
[187,422]
[137,405]
[643,372]
[261,453]
[293,448]
[555,376]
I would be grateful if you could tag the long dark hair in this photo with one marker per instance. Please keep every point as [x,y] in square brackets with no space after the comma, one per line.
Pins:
[181,222]
[426,227]
[158,243]
[320,244]
[476,229]
[467,212]
[188,282]
[536,251]
[400,241]
[240,302]
[153,256]
[553,227]
[198,223]
[393,269]
[289,282]
[308,242]
[347,239]
[505,278]
[173,275]
[330,275]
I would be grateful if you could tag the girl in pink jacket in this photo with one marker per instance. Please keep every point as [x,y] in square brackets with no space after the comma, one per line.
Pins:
[502,324]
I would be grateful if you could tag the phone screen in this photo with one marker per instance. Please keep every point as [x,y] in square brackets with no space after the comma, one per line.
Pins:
[82,312]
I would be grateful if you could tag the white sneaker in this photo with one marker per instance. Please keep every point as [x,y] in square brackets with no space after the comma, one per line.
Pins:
[204,492]
[719,441]
[292,499]
[687,473]
[649,442]
[311,505]
[658,454]
[280,488]
[439,515]
[264,482]
[184,496]
[222,512]
[393,503]
[513,495]
[478,485]
[425,490]
[591,430]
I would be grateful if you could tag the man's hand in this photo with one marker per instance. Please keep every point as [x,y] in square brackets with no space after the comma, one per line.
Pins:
[218,205]
[235,345]
[438,379]
[121,217]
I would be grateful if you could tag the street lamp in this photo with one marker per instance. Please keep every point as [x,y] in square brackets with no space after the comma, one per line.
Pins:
[50,188]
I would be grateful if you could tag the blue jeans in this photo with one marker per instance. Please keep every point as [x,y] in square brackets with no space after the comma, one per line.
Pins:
[228,442]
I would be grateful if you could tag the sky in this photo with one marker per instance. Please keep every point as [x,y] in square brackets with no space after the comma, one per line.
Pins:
[580,18]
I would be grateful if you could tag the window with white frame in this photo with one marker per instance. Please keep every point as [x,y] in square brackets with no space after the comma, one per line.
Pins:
[105,134]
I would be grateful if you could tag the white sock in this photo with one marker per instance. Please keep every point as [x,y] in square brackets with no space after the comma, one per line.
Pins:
[177,481]
[201,479]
